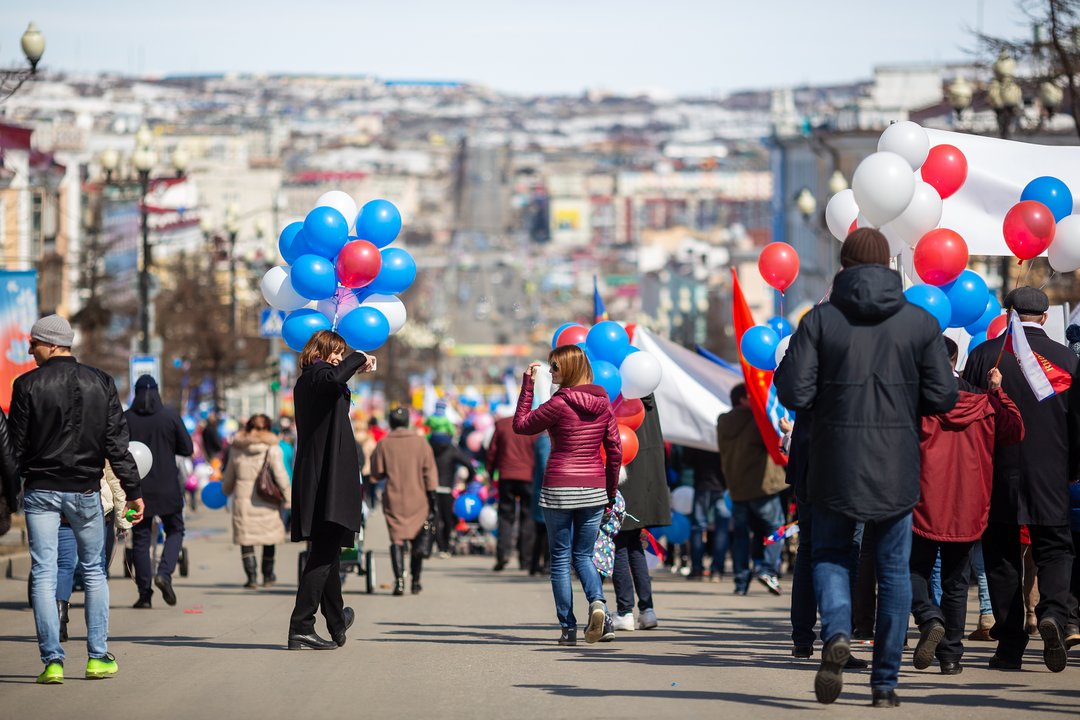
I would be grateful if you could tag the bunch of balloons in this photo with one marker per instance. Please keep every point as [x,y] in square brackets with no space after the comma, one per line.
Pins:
[763,346]
[1043,222]
[338,258]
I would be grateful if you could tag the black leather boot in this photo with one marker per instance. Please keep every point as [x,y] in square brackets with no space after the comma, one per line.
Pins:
[251,570]
[415,566]
[269,578]
[397,561]
[62,608]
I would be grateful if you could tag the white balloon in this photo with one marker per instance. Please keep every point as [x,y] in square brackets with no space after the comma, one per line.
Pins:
[921,216]
[278,290]
[883,185]
[682,499]
[144,460]
[343,302]
[341,202]
[781,348]
[862,222]
[489,518]
[907,259]
[623,477]
[390,306]
[840,213]
[1064,252]
[908,140]
[641,374]
[204,472]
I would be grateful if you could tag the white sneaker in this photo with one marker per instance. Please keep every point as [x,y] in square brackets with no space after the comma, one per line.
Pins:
[647,620]
[623,622]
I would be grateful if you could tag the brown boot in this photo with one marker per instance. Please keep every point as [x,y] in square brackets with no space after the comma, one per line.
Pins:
[982,633]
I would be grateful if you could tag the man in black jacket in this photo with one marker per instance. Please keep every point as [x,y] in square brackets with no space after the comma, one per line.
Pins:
[1031,487]
[160,429]
[67,422]
[867,364]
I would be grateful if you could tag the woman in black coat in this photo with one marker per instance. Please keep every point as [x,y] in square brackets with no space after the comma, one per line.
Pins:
[327,497]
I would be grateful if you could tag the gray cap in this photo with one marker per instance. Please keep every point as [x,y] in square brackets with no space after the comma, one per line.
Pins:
[1027,301]
[53,330]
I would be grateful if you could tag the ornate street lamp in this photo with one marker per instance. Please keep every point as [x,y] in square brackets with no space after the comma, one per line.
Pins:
[143,160]
[232,227]
[806,203]
[960,93]
[33,47]
[1004,93]
[837,182]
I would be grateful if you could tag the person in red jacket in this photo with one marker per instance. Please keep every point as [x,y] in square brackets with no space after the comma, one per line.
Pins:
[511,456]
[578,484]
[957,453]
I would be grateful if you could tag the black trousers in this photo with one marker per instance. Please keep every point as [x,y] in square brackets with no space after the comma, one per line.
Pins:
[515,501]
[864,599]
[142,538]
[1074,614]
[445,520]
[631,573]
[952,613]
[320,585]
[1052,549]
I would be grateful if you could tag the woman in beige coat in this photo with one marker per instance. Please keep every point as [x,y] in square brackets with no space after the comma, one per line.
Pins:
[256,521]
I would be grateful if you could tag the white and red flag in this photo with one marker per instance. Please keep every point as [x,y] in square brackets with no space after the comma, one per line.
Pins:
[1044,377]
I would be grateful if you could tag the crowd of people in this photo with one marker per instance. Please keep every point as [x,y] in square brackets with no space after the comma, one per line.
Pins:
[908,481]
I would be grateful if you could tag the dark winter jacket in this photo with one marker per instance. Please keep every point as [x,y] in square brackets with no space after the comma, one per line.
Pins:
[1074,506]
[448,458]
[160,429]
[867,363]
[9,475]
[580,422]
[510,454]
[798,464]
[708,473]
[645,488]
[326,474]
[66,422]
[1031,479]
[748,470]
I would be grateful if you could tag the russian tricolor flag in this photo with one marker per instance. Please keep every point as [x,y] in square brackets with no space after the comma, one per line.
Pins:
[1044,377]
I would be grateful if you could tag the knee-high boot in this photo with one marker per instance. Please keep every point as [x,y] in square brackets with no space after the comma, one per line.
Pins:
[397,561]
[251,570]
[415,566]
[269,578]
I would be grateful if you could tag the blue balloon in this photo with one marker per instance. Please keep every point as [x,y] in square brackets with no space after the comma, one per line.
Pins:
[300,325]
[1052,193]
[967,298]
[758,346]
[976,340]
[588,353]
[558,332]
[993,309]
[607,376]
[780,326]
[213,496]
[467,506]
[378,222]
[677,532]
[326,231]
[365,328]
[397,273]
[932,300]
[291,242]
[314,277]
[608,341]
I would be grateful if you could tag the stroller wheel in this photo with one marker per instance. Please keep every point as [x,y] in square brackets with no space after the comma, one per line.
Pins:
[183,562]
[369,573]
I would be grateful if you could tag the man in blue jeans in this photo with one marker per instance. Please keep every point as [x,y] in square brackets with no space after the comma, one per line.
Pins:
[66,420]
[867,364]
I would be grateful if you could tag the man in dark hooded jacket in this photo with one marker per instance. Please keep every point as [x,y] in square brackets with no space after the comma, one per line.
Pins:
[868,364]
[161,429]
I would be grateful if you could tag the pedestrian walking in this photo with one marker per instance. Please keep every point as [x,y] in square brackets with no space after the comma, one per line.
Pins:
[406,462]
[511,457]
[711,518]
[256,520]
[578,485]
[160,429]
[1031,487]
[66,422]
[867,363]
[327,497]
[448,459]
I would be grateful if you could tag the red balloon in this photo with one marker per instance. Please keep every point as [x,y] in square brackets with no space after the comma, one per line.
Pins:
[945,168]
[997,326]
[572,335]
[1029,229]
[629,444]
[630,413]
[854,226]
[779,265]
[358,263]
[940,256]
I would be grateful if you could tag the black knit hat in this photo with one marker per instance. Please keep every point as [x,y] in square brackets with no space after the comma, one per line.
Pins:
[865,246]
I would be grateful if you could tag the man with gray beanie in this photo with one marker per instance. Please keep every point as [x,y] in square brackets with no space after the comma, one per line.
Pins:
[67,421]
[867,364]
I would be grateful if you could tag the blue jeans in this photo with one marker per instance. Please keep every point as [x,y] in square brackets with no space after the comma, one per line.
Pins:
[571,539]
[709,511]
[833,568]
[67,556]
[765,515]
[43,510]
[985,608]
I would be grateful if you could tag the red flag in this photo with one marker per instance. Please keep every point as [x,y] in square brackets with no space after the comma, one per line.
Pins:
[757,381]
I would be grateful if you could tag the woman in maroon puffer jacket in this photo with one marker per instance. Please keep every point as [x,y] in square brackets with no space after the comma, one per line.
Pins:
[577,483]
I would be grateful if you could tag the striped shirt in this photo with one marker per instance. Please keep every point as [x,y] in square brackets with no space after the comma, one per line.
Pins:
[572,498]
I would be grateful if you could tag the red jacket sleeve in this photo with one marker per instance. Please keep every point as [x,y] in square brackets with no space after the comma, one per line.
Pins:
[1008,424]
[533,422]
[613,448]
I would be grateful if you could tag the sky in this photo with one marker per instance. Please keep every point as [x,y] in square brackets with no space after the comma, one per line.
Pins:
[519,46]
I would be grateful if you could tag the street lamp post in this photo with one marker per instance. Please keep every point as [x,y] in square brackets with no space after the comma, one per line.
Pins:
[1004,94]
[232,227]
[33,47]
[144,159]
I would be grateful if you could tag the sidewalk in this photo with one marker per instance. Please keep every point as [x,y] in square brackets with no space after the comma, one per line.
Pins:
[474,644]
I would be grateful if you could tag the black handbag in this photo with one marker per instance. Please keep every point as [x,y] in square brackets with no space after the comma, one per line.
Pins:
[265,487]
[425,541]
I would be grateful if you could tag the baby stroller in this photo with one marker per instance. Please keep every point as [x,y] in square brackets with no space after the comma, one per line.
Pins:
[158,531]
[355,559]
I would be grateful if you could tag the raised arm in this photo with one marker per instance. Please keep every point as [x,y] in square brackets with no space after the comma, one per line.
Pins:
[532,422]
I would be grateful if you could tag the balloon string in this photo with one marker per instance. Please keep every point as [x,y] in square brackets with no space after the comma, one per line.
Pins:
[1023,276]
[1052,274]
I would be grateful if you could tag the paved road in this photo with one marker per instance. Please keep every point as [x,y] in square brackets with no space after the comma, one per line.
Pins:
[472,645]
